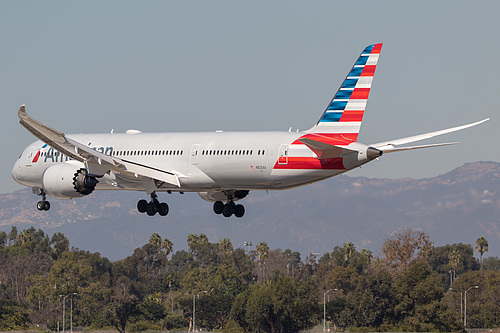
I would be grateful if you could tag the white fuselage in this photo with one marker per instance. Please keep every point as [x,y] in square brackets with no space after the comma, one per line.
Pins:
[205,162]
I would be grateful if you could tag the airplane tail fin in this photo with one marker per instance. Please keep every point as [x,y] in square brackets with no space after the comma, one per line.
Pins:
[345,112]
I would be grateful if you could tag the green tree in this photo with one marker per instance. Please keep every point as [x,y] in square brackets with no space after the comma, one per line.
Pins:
[225,246]
[262,250]
[155,240]
[418,296]
[348,249]
[455,259]
[284,305]
[481,247]
[371,303]
[491,264]
[3,239]
[12,235]
[167,246]
[12,316]
[121,309]
[60,244]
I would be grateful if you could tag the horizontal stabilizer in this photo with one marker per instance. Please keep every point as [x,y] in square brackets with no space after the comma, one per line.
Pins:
[389,146]
[325,150]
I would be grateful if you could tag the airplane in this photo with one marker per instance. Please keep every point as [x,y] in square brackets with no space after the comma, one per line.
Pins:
[222,167]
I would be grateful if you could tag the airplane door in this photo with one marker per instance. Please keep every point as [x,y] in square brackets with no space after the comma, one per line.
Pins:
[30,156]
[283,154]
[195,151]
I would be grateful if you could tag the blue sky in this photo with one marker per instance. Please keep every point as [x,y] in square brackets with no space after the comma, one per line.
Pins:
[158,66]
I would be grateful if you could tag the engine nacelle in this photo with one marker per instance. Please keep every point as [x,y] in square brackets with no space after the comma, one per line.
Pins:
[222,195]
[67,181]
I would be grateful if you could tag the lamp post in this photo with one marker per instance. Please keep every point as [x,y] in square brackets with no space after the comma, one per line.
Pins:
[465,305]
[194,309]
[71,317]
[324,308]
[194,312]
[248,245]
[64,310]
[461,303]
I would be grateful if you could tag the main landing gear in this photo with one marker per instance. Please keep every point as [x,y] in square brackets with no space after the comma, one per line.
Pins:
[229,208]
[43,204]
[153,207]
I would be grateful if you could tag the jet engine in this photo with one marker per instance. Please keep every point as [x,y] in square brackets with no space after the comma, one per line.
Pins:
[222,195]
[67,181]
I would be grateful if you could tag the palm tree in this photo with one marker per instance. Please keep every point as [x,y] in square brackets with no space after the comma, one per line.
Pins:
[194,240]
[155,240]
[366,257]
[481,247]
[262,250]
[191,240]
[203,238]
[349,249]
[455,258]
[225,246]
[167,246]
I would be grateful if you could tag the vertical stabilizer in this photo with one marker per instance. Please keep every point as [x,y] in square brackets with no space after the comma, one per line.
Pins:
[345,112]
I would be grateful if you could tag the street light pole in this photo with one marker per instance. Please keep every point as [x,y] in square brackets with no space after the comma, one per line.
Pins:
[64,310]
[194,312]
[71,317]
[461,303]
[465,305]
[324,309]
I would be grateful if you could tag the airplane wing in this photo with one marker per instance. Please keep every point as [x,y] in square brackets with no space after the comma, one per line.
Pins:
[87,155]
[390,146]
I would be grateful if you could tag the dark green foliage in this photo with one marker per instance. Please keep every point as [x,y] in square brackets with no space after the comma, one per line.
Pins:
[12,316]
[263,291]
[120,310]
[283,305]
[441,262]
[491,264]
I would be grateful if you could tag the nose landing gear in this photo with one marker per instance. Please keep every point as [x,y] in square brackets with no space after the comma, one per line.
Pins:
[153,207]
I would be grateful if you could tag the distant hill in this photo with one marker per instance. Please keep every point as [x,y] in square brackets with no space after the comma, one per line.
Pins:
[458,206]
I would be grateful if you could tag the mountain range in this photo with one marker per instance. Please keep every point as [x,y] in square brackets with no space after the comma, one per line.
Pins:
[456,207]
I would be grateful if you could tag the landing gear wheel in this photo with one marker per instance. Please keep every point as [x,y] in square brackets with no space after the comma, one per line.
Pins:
[142,206]
[218,207]
[239,210]
[163,209]
[228,210]
[152,208]
[43,205]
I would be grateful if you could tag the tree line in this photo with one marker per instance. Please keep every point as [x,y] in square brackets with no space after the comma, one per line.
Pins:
[411,286]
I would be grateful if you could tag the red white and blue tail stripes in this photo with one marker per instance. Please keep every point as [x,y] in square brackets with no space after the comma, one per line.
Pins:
[345,112]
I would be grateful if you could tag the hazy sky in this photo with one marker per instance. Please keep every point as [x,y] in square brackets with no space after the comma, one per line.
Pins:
[94,66]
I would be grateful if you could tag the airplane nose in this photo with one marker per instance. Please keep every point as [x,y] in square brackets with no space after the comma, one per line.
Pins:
[16,172]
